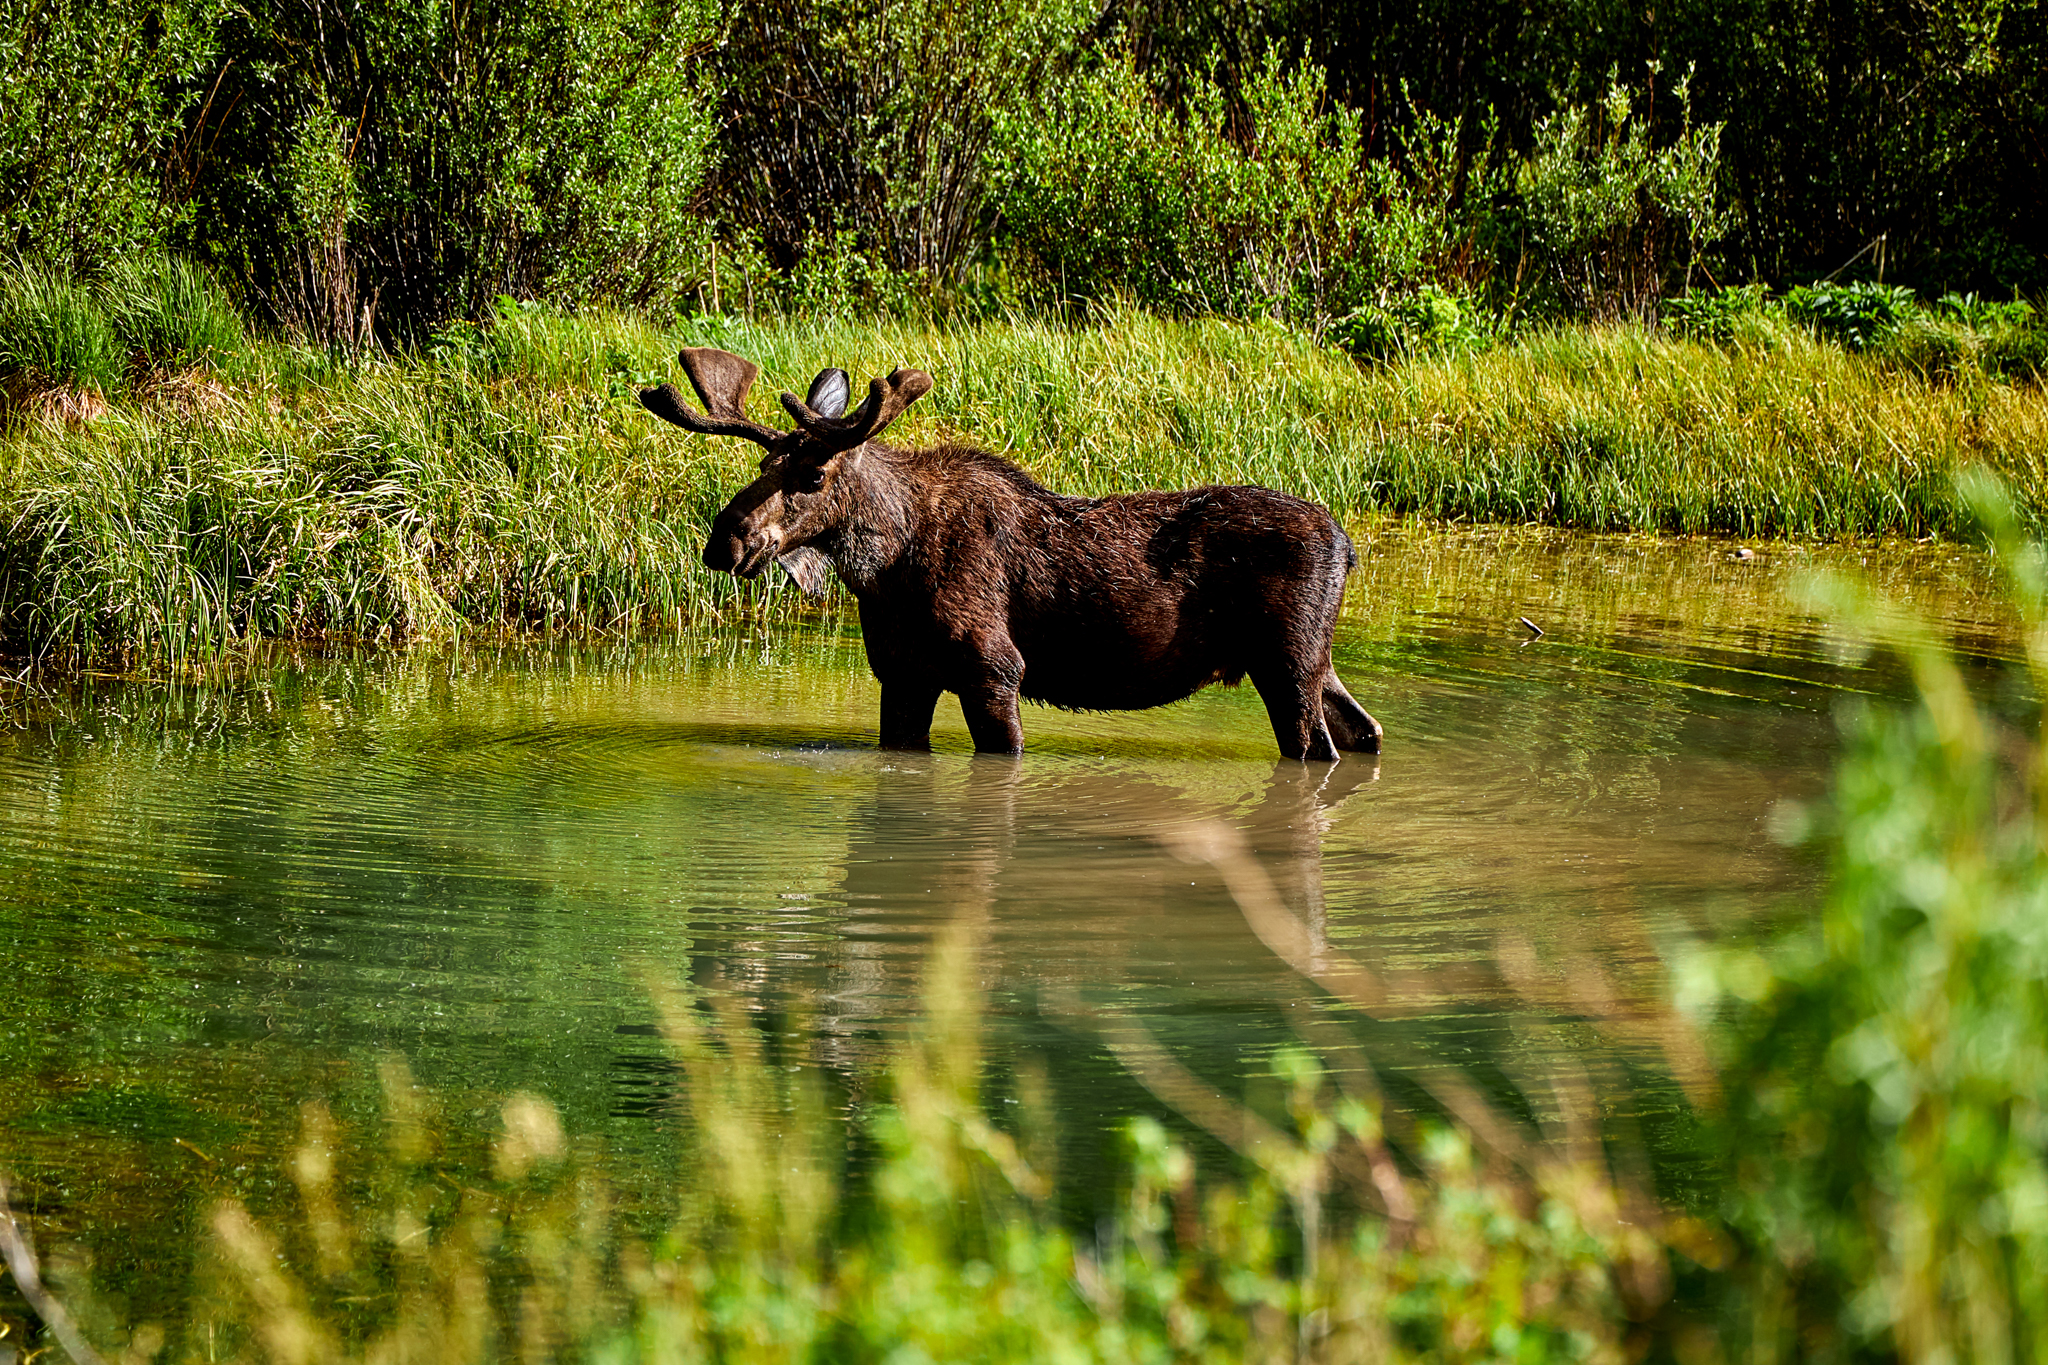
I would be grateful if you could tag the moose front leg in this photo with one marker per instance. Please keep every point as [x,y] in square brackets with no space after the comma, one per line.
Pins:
[907,707]
[991,714]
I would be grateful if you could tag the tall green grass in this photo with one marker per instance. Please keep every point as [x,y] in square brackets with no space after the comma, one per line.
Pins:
[150,317]
[53,332]
[1607,429]
[388,503]
[508,478]
[171,315]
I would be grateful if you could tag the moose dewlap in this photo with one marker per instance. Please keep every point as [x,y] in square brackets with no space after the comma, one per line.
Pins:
[975,580]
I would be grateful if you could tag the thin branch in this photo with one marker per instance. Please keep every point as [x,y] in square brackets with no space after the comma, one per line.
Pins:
[21,1259]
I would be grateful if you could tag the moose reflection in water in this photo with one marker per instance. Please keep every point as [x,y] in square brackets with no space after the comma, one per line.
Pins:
[973,579]
[1006,852]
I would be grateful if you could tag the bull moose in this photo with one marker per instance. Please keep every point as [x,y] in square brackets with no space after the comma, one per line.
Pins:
[974,579]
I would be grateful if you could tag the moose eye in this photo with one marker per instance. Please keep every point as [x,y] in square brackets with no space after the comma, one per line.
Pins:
[803,478]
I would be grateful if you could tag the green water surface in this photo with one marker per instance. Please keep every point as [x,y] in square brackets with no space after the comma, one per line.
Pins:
[221,898]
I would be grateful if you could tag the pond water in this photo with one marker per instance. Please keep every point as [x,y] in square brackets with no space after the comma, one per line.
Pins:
[220,898]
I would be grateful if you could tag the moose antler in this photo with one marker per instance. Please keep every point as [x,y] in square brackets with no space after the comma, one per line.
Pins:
[886,400]
[721,380]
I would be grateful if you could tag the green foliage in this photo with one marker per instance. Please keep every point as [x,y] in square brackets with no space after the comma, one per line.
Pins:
[1855,315]
[92,100]
[1886,1066]
[415,163]
[1117,191]
[1432,321]
[55,333]
[368,172]
[1602,220]
[863,130]
[1987,315]
[1262,201]
[1714,315]
[152,315]
[1954,340]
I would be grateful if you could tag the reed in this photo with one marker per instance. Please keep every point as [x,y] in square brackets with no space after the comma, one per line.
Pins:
[506,478]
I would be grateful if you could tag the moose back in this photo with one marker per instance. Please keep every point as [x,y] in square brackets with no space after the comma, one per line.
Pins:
[975,580]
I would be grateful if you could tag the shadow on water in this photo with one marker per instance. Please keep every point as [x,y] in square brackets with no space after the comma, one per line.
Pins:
[220,899]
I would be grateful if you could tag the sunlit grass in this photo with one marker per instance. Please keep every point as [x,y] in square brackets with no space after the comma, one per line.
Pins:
[509,478]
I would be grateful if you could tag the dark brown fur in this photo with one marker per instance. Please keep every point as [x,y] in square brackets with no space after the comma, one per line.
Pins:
[973,579]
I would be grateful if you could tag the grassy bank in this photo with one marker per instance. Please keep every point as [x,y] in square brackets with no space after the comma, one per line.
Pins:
[508,478]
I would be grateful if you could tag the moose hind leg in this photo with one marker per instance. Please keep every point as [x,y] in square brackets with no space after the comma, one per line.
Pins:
[1295,708]
[1349,725]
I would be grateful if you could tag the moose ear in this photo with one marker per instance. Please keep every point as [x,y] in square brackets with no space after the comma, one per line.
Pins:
[829,392]
[806,567]
[886,400]
[805,471]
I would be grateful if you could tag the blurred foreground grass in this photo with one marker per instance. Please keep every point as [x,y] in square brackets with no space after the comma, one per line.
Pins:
[507,477]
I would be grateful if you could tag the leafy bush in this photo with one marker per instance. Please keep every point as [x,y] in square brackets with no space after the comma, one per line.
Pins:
[1957,336]
[92,99]
[872,123]
[1986,315]
[381,168]
[1602,222]
[1931,346]
[1855,315]
[1712,315]
[2013,336]
[1268,210]
[1431,321]
[1886,1066]
[1112,190]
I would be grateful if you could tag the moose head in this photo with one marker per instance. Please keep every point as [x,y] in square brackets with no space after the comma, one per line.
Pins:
[798,496]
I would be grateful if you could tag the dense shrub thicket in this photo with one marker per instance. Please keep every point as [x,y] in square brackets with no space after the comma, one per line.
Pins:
[376,169]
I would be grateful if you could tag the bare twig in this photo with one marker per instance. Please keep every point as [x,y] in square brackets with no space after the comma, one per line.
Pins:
[21,1259]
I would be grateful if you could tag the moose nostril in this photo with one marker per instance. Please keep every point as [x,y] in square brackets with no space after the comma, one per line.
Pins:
[719,553]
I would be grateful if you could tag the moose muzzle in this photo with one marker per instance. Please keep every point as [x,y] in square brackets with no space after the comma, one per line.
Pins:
[739,549]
